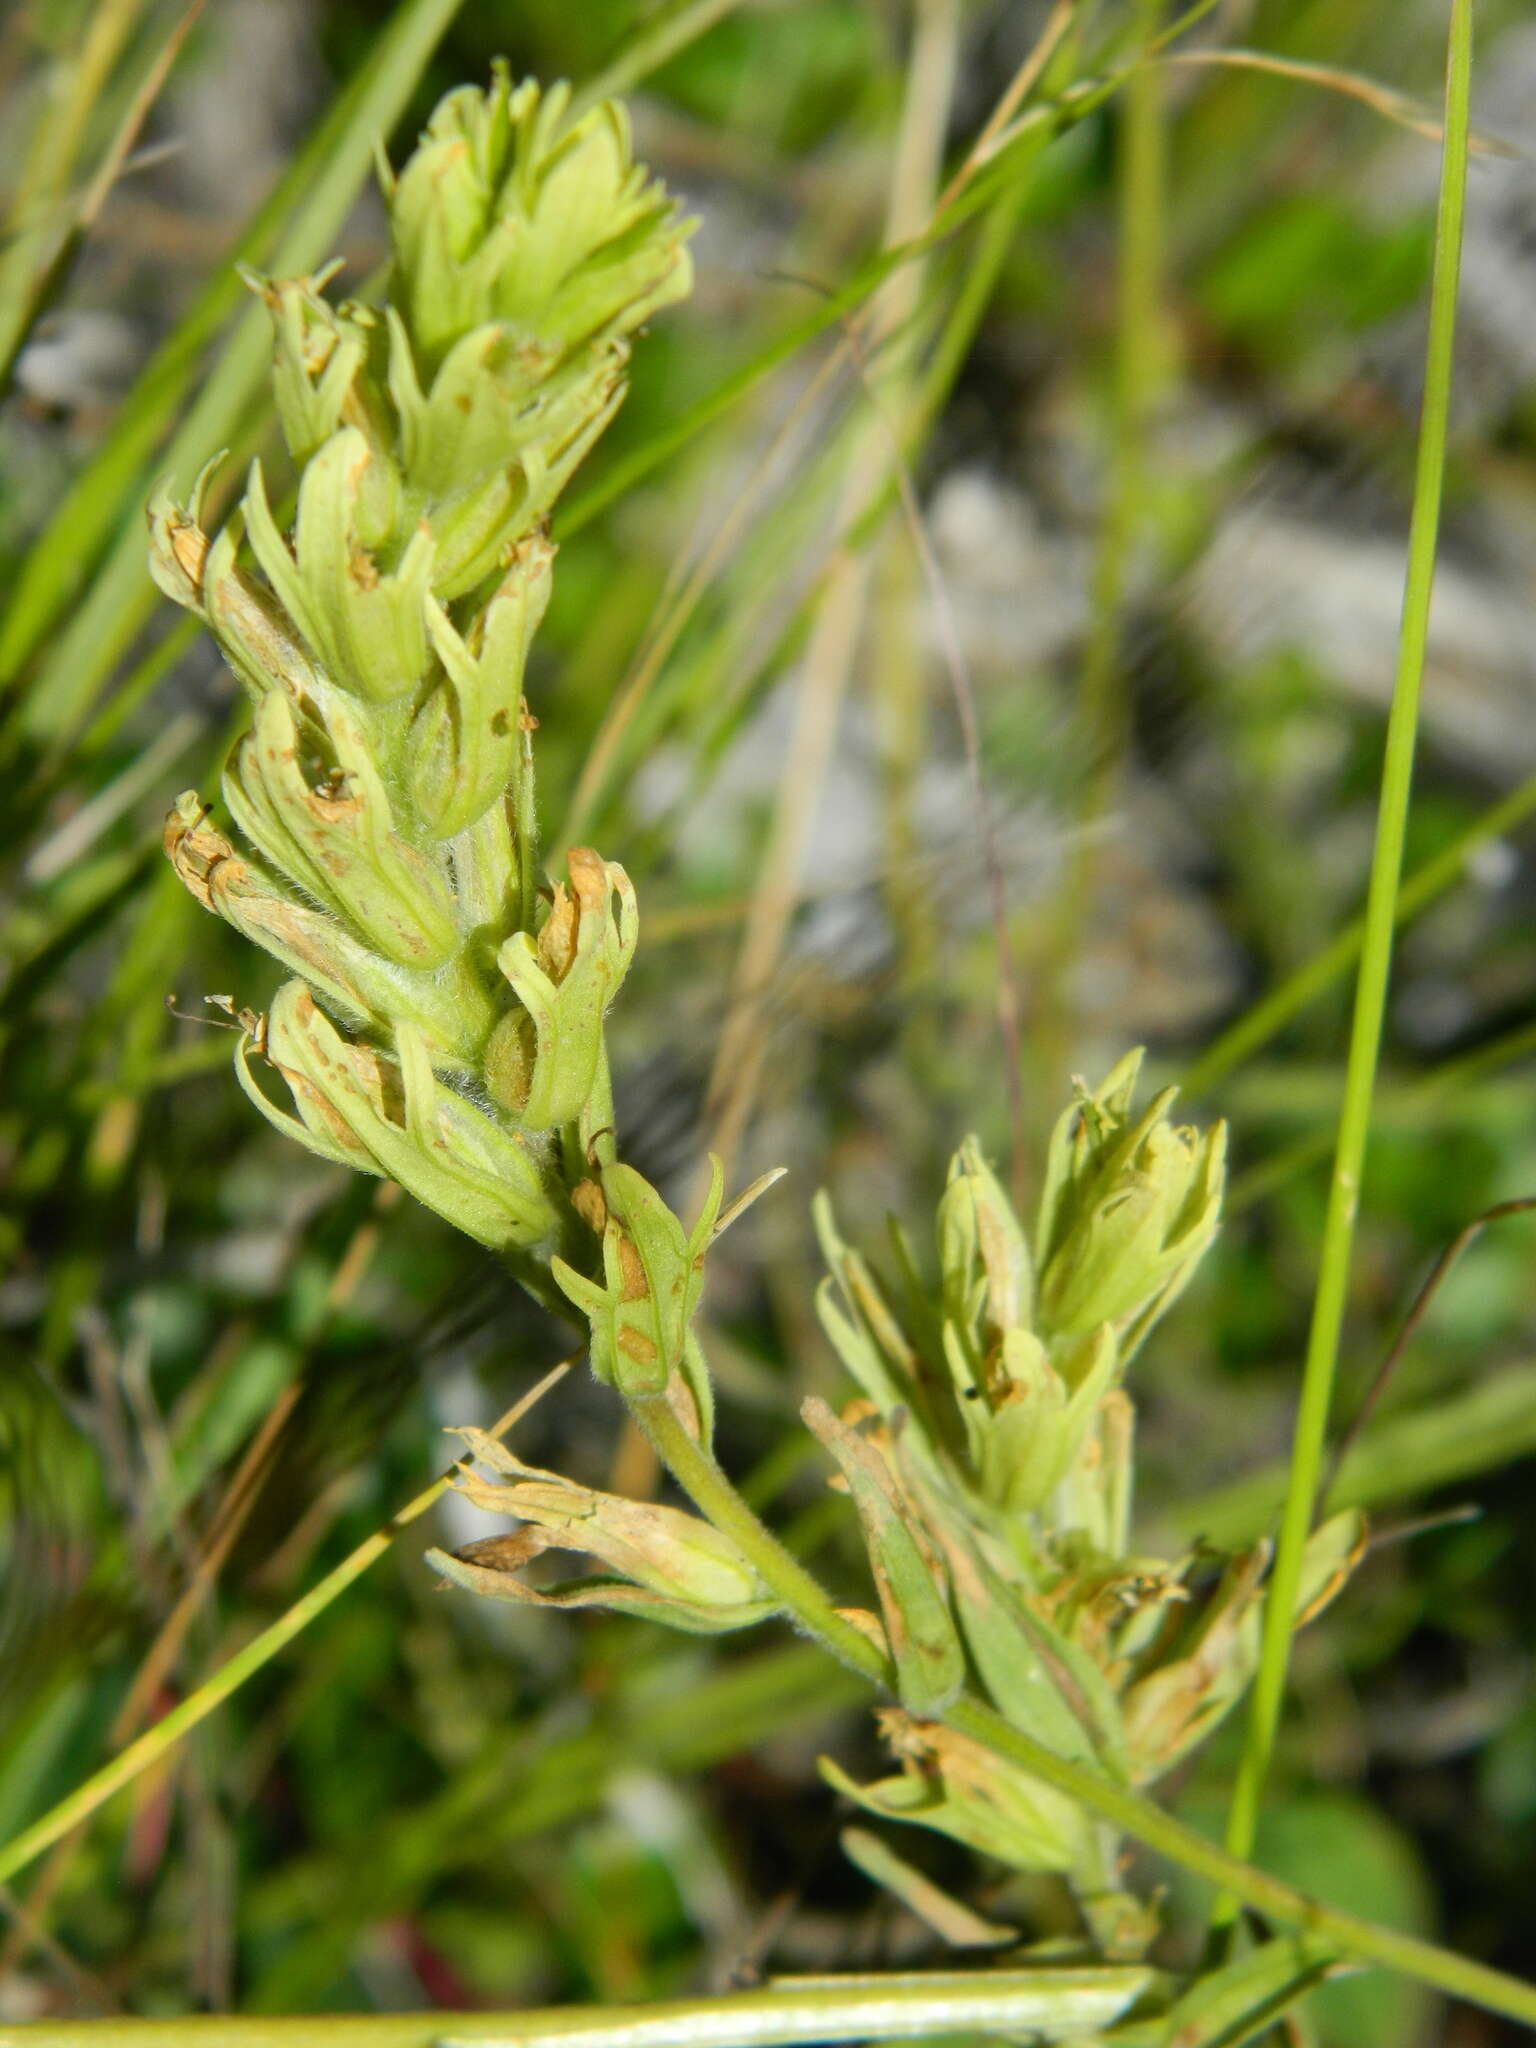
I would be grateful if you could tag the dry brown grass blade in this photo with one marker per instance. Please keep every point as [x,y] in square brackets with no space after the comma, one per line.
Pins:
[1017,90]
[957,670]
[1381,99]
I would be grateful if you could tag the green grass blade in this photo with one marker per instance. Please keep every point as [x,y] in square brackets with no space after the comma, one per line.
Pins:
[1445,1442]
[60,559]
[158,1740]
[41,216]
[1375,965]
[995,176]
[653,46]
[121,597]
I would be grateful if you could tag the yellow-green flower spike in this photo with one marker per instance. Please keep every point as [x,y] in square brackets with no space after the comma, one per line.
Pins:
[448,1026]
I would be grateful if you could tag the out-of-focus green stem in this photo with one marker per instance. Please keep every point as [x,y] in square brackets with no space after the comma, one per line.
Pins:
[1103,715]
[41,212]
[1138,368]
[80,658]
[1041,2003]
[1375,966]
[648,50]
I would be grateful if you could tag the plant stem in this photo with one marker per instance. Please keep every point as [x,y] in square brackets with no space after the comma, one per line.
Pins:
[717,1500]
[838,623]
[696,1471]
[712,1492]
[1375,967]
[1139,367]
[1039,2002]
[1159,1831]
[82,653]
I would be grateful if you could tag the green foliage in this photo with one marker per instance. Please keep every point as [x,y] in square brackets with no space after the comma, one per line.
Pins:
[1341,1847]
[1306,254]
[223,1359]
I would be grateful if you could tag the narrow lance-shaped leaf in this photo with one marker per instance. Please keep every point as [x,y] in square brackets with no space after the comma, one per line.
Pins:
[930,1662]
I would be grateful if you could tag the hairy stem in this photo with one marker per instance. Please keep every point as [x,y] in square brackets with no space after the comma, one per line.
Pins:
[712,1493]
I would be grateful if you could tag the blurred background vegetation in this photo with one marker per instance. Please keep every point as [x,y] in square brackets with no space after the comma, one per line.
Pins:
[1156,397]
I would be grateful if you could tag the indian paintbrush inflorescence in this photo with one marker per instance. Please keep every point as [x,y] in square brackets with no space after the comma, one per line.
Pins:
[995,1429]
[444,1023]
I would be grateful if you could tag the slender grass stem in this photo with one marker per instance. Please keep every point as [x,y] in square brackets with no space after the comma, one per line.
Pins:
[1138,368]
[1375,967]
[79,659]
[653,46]
[841,615]
[42,215]
[158,1741]
[984,175]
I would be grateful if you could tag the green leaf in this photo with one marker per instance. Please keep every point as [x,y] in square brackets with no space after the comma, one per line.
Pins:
[930,1662]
